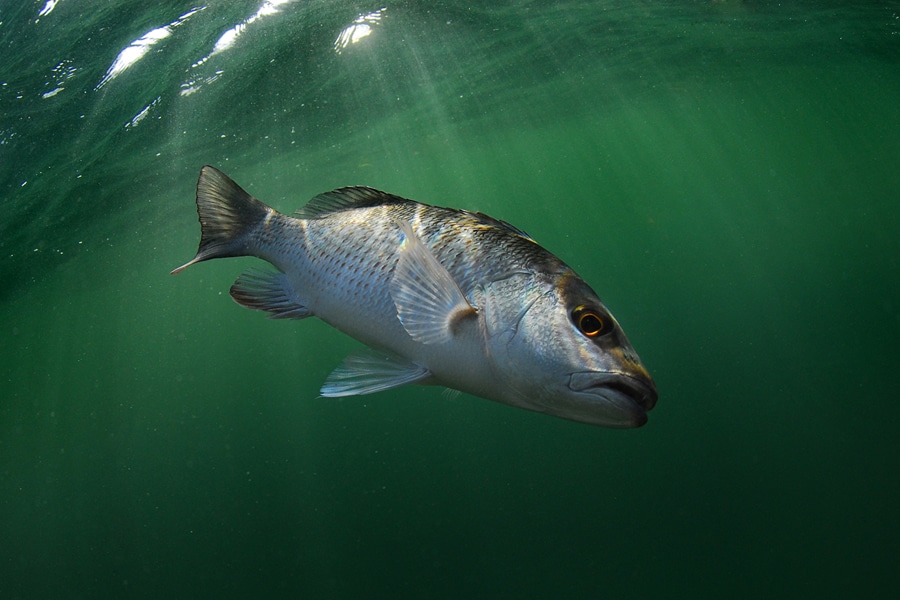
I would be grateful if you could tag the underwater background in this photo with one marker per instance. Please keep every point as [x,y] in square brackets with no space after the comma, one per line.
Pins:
[726,175]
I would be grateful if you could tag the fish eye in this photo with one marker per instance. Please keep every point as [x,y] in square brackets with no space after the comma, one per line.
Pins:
[589,322]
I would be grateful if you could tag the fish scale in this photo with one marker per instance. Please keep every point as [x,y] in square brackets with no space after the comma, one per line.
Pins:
[437,295]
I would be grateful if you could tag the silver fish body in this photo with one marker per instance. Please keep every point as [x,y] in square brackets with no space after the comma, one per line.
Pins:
[439,296]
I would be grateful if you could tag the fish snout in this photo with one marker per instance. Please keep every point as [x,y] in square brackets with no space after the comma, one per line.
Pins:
[625,397]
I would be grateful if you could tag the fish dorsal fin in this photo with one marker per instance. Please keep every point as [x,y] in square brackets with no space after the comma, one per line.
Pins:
[489,220]
[345,198]
[429,303]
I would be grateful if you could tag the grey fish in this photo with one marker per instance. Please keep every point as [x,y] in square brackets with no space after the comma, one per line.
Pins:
[439,296]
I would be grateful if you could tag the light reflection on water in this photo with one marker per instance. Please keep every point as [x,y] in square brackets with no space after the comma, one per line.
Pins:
[141,46]
[152,40]
[230,37]
[48,8]
[361,28]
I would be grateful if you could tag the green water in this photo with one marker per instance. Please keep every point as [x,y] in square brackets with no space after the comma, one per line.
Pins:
[724,174]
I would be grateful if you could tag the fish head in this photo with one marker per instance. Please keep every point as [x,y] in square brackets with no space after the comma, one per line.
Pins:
[567,356]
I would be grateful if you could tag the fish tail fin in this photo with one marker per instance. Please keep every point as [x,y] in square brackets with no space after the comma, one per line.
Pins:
[227,215]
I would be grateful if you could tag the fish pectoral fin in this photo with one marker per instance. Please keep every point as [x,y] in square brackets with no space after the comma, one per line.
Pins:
[268,291]
[368,371]
[429,303]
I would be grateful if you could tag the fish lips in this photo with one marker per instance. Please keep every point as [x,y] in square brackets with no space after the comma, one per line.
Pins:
[619,399]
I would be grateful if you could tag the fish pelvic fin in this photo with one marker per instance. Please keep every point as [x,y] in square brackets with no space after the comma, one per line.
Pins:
[268,291]
[367,371]
[227,214]
[429,303]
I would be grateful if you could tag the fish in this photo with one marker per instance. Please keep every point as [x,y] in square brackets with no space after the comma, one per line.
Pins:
[437,296]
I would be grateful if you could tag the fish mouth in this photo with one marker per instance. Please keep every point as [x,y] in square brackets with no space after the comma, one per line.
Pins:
[624,399]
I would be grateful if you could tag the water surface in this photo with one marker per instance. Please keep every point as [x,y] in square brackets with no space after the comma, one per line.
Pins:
[724,174]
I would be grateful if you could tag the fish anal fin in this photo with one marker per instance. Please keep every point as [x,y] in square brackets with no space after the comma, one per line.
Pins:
[268,291]
[368,371]
[429,303]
